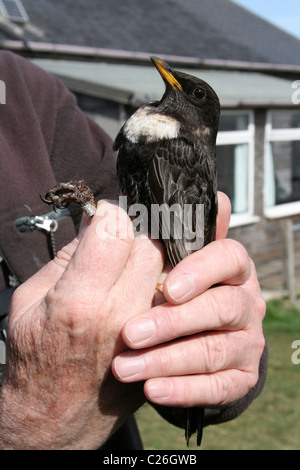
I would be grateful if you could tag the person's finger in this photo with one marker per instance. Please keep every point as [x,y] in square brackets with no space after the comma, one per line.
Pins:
[221,261]
[141,273]
[37,286]
[102,251]
[89,272]
[220,308]
[202,353]
[224,213]
[219,389]
[103,245]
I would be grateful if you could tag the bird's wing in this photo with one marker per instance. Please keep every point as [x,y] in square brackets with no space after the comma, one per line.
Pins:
[177,180]
[132,173]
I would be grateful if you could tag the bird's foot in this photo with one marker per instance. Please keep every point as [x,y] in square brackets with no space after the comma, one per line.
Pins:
[74,191]
[160,288]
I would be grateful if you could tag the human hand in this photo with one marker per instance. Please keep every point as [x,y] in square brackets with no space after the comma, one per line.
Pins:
[64,330]
[203,346]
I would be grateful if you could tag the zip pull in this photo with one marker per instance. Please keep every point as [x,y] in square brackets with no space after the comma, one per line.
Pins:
[43,223]
[47,222]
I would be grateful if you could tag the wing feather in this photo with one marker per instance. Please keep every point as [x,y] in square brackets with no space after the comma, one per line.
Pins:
[180,178]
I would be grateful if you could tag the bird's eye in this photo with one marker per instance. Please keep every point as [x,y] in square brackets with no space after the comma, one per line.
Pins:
[199,93]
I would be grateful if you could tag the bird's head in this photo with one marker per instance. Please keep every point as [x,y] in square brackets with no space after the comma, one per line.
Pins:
[190,100]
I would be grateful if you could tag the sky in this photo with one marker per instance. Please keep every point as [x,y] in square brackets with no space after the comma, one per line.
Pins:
[282,13]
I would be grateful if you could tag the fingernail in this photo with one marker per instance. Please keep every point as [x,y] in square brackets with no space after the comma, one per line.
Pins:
[127,367]
[159,389]
[180,287]
[138,331]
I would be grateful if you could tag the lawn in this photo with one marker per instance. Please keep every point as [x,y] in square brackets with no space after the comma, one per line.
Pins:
[272,421]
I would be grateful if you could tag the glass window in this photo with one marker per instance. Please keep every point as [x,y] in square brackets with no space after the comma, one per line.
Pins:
[285,119]
[235,156]
[234,122]
[283,158]
[233,175]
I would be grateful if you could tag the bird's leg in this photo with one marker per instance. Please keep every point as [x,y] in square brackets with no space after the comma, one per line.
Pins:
[160,288]
[74,191]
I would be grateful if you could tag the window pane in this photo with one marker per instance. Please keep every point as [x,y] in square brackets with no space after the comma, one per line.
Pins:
[285,120]
[233,173]
[286,159]
[234,122]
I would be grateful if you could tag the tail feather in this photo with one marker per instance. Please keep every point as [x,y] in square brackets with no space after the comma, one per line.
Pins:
[194,424]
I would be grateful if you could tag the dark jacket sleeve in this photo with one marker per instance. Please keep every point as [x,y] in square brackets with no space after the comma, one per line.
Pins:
[45,139]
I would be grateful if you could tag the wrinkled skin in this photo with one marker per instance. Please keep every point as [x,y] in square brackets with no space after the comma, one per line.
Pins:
[74,327]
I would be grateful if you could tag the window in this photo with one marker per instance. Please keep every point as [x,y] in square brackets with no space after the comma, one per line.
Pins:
[282,164]
[235,161]
[13,10]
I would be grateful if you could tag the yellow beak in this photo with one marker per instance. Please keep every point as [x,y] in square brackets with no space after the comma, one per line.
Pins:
[166,73]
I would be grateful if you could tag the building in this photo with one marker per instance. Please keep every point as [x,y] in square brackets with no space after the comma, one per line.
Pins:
[101,52]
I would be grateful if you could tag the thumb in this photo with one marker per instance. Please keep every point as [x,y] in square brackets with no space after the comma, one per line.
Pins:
[37,286]
[224,214]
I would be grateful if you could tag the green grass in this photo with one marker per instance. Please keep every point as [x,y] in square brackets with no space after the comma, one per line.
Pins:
[273,419]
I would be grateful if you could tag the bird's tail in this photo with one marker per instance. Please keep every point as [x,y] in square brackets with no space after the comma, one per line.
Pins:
[194,423]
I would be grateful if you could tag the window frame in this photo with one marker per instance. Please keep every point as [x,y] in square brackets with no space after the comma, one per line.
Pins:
[243,137]
[278,135]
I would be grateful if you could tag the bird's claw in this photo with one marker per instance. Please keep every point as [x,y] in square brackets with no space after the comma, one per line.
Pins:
[74,191]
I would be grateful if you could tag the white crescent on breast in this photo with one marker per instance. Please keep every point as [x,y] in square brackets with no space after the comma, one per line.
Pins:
[152,126]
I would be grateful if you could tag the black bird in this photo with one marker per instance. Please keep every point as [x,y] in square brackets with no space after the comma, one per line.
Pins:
[167,156]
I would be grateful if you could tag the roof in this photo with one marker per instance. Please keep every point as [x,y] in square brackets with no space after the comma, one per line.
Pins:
[136,85]
[218,29]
